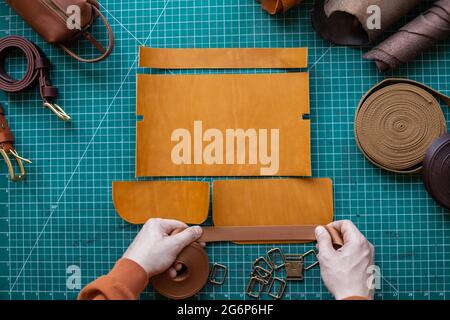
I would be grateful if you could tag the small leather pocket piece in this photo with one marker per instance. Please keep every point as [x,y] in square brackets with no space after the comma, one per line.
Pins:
[138,201]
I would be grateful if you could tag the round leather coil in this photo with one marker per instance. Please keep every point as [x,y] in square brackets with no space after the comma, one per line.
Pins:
[188,282]
[395,124]
[436,171]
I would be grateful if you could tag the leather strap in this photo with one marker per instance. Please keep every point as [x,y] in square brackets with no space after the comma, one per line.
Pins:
[397,121]
[38,71]
[6,136]
[436,171]
[266,234]
[275,6]
[190,280]
[89,37]
[223,58]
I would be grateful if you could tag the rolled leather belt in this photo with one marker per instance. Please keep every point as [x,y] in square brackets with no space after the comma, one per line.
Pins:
[397,121]
[37,71]
[436,171]
[194,259]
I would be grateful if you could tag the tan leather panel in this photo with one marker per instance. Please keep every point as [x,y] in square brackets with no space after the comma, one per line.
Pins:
[138,201]
[271,202]
[258,102]
[223,58]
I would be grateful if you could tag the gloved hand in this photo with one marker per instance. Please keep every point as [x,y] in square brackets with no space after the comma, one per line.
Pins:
[345,271]
[155,250]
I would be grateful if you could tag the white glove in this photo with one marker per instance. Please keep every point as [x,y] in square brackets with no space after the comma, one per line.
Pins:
[155,250]
[345,271]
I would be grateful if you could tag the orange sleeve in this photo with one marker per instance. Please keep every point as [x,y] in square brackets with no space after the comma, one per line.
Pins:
[356,298]
[126,281]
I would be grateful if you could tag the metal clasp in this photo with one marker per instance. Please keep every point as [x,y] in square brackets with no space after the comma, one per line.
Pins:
[313,252]
[56,109]
[214,272]
[10,166]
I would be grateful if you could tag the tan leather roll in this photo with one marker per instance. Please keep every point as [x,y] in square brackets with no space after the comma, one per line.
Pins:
[396,122]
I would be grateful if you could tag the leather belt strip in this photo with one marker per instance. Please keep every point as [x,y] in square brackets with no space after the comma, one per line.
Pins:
[194,259]
[396,122]
[223,58]
[436,171]
[7,149]
[266,234]
[275,6]
[38,68]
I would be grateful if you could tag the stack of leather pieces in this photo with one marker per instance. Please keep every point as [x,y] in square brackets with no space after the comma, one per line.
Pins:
[436,171]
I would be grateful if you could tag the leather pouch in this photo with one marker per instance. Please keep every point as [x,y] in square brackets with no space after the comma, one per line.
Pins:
[49,18]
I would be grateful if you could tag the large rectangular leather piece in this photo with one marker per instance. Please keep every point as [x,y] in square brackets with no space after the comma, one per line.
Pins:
[263,108]
[223,58]
[138,201]
[271,202]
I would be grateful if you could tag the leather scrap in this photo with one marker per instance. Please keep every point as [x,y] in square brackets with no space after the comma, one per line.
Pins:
[396,122]
[275,6]
[344,22]
[223,58]
[190,280]
[414,38]
[138,201]
[186,119]
[436,171]
[272,202]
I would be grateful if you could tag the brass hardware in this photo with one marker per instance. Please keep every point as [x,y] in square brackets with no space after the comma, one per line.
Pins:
[261,271]
[280,292]
[254,281]
[214,272]
[10,166]
[56,109]
[272,257]
[314,263]
[294,267]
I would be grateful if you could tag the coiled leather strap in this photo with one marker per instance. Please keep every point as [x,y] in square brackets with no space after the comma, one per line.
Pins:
[396,122]
[38,68]
[436,171]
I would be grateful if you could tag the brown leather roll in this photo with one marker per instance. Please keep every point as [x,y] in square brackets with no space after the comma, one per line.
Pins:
[396,122]
[436,171]
[190,280]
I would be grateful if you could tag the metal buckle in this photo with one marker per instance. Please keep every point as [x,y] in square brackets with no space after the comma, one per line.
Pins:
[251,285]
[272,257]
[214,272]
[314,263]
[294,267]
[56,109]
[260,271]
[9,164]
[280,292]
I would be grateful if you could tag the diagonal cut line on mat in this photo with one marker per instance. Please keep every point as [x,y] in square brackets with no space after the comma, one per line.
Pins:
[321,57]
[83,155]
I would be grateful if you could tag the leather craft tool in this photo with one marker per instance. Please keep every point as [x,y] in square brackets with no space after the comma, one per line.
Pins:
[436,171]
[272,202]
[396,122]
[223,125]
[7,149]
[38,68]
[138,201]
[351,23]
[275,6]
[415,37]
[223,58]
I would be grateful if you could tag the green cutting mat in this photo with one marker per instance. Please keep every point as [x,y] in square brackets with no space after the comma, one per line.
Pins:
[62,215]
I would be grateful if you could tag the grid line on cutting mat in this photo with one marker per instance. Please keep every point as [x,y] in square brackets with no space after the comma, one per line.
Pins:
[63,214]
